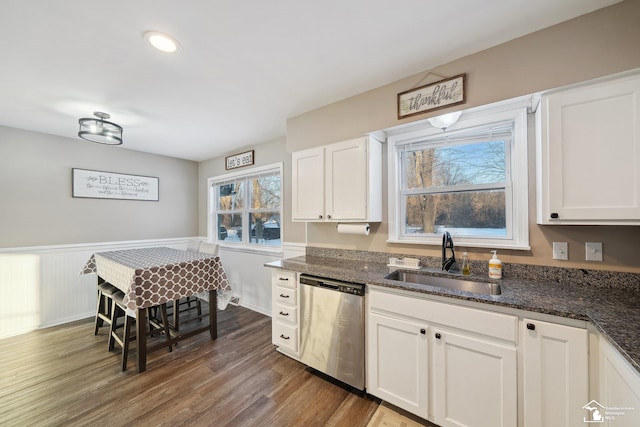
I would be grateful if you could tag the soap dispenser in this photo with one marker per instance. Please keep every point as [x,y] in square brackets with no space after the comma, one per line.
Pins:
[495,267]
[466,267]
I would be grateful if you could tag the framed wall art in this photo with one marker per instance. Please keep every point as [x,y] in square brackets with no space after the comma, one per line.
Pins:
[434,96]
[238,160]
[110,185]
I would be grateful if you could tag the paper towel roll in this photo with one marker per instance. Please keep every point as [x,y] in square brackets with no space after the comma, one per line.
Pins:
[361,228]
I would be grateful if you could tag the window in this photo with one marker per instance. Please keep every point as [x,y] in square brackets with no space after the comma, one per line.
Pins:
[246,207]
[470,181]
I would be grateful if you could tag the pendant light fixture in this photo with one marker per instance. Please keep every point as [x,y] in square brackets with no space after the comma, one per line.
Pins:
[445,120]
[100,130]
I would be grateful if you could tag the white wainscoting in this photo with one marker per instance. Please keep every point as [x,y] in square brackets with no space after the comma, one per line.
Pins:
[249,279]
[41,286]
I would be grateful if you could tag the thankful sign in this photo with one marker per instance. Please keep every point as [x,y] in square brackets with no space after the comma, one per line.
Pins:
[433,96]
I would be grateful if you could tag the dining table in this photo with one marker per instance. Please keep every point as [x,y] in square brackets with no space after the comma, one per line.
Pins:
[153,276]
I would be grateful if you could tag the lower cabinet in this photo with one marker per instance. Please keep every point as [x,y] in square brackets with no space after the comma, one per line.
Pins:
[619,402]
[398,362]
[474,381]
[284,305]
[451,365]
[456,365]
[555,374]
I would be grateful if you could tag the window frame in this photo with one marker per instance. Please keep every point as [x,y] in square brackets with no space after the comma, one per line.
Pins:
[516,190]
[212,211]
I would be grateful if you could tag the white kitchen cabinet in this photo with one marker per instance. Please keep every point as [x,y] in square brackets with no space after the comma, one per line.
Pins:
[308,185]
[619,400]
[475,380]
[555,373]
[467,376]
[338,182]
[398,362]
[285,324]
[588,153]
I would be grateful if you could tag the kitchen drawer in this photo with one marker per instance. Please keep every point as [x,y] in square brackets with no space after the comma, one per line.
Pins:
[285,295]
[498,325]
[285,336]
[286,313]
[284,278]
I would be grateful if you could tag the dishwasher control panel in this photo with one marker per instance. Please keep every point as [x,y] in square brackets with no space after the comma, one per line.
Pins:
[336,285]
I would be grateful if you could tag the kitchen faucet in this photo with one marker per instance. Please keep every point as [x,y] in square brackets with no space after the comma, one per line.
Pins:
[448,264]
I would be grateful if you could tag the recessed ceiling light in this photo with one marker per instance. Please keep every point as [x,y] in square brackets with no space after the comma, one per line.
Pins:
[162,42]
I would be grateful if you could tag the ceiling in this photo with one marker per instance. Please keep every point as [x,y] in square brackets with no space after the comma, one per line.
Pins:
[244,66]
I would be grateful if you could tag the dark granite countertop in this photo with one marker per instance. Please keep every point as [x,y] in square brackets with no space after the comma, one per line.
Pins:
[615,312]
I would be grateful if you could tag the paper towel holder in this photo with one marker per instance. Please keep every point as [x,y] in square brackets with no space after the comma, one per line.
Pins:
[362,228]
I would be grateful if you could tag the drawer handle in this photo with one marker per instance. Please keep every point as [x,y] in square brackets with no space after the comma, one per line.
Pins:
[284,296]
[531,326]
[438,336]
[283,337]
[284,314]
[423,331]
[319,216]
[284,279]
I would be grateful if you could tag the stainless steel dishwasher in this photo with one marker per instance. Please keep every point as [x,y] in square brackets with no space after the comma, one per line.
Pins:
[332,328]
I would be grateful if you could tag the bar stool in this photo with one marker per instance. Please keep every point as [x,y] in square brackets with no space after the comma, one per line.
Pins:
[103,307]
[118,309]
[205,248]
[193,245]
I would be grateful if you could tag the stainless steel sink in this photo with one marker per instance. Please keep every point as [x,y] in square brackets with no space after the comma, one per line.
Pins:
[486,288]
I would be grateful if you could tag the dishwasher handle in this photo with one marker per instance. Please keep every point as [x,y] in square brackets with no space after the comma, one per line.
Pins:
[328,286]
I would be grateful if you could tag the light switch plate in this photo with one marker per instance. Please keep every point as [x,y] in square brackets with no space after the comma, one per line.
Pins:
[561,250]
[593,251]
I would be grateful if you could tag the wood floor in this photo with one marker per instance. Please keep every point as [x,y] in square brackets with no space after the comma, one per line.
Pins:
[64,376]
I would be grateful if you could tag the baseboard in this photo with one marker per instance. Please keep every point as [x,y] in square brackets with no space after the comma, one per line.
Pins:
[255,308]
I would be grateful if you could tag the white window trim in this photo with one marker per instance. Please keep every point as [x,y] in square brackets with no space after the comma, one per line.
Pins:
[514,109]
[211,201]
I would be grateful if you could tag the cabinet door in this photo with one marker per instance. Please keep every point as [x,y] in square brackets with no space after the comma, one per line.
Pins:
[474,381]
[346,180]
[307,185]
[397,369]
[591,149]
[555,374]
[619,402]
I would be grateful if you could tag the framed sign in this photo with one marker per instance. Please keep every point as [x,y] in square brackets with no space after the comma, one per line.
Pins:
[238,160]
[433,96]
[108,185]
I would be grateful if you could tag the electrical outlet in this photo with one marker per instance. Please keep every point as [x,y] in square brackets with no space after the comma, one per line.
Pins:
[561,250]
[593,251]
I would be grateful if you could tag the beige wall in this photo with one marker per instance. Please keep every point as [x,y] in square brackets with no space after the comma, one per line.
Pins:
[598,44]
[37,207]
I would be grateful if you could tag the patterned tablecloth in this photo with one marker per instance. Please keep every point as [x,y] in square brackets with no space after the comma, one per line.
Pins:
[153,276]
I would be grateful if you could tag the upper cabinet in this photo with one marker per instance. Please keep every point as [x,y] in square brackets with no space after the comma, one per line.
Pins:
[338,182]
[588,153]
